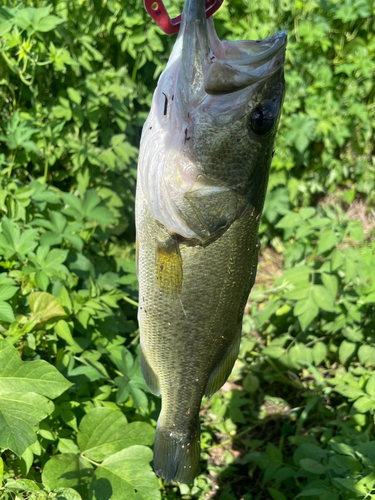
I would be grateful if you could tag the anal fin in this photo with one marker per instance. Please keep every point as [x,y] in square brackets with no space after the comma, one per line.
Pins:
[149,375]
[219,376]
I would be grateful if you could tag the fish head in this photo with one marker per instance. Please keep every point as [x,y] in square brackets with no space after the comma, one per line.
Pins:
[213,119]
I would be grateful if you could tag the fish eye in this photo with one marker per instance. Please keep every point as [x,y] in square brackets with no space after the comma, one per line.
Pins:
[262,118]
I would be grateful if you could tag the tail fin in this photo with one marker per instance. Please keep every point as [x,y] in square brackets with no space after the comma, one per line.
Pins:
[176,455]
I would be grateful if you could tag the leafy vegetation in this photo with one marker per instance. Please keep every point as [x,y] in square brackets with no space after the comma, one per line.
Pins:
[76,418]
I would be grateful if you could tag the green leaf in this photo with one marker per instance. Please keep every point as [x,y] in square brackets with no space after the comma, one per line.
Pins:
[63,331]
[337,259]
[319,352]
[45,306]
[126,387]
[346,350]
[366,355]
[273,351]
[342,448]
[67,494]
[370,299]
[49,239]
[350,485]
[6,312]
[251,383]
[68,471]
[19,413]
[301,131]
[22,485]
[312,492]
[306,311]
[74,95]
[13,242]
[42,280]
[67,446]
[58,221]
[104,431]
[90,201]
[132,382]
[276,495]
[312,466]
[349,391]
[331,283]
[370,386]
[364,404]
[299,289]
[307,212]
[48,23]
[74,240]
[127,474]
[290,220]
[327,240]
[355,230]
[7,292]
[33,376]
[299,354]
[323,298]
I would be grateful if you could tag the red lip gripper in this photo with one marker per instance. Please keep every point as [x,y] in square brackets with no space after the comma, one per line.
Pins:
[170,26]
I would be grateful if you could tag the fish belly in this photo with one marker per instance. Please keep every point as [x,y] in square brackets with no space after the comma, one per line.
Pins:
[190,336]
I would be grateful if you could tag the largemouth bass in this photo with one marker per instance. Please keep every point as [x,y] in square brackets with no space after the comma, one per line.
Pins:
[204,163]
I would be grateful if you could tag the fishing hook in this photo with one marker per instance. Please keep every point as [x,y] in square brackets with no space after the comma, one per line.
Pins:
[159,13]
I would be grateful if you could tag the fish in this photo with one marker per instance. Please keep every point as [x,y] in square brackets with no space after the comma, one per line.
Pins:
[204,162]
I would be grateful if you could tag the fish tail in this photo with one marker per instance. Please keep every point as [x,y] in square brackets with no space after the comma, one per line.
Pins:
[176,455]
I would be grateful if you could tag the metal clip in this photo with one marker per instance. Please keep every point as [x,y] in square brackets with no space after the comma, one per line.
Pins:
[170,26]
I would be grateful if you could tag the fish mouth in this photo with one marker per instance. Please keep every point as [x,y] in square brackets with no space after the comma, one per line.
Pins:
[212,66]
[236,65]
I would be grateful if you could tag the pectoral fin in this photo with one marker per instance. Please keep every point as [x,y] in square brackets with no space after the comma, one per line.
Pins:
[207,210]
[168,265]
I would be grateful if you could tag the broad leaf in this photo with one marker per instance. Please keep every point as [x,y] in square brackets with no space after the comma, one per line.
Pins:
[45,306]
[104,431]
[68,471]
[33,376]
[323,298]
[319,352]
[19,414]
[6,312]
[126,474]
[67,494]
[22,402]
[327,240]
[346,350]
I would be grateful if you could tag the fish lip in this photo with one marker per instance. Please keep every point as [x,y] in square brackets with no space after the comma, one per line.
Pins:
[278,48]
[275,46]
[237,65]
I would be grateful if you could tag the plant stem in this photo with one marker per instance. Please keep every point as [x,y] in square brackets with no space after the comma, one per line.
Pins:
[133,302]
[91,461]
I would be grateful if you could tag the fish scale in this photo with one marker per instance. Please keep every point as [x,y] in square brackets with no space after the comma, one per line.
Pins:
[202,177]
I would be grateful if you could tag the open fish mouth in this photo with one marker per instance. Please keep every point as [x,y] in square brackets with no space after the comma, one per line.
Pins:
[236,65]
[212,66]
